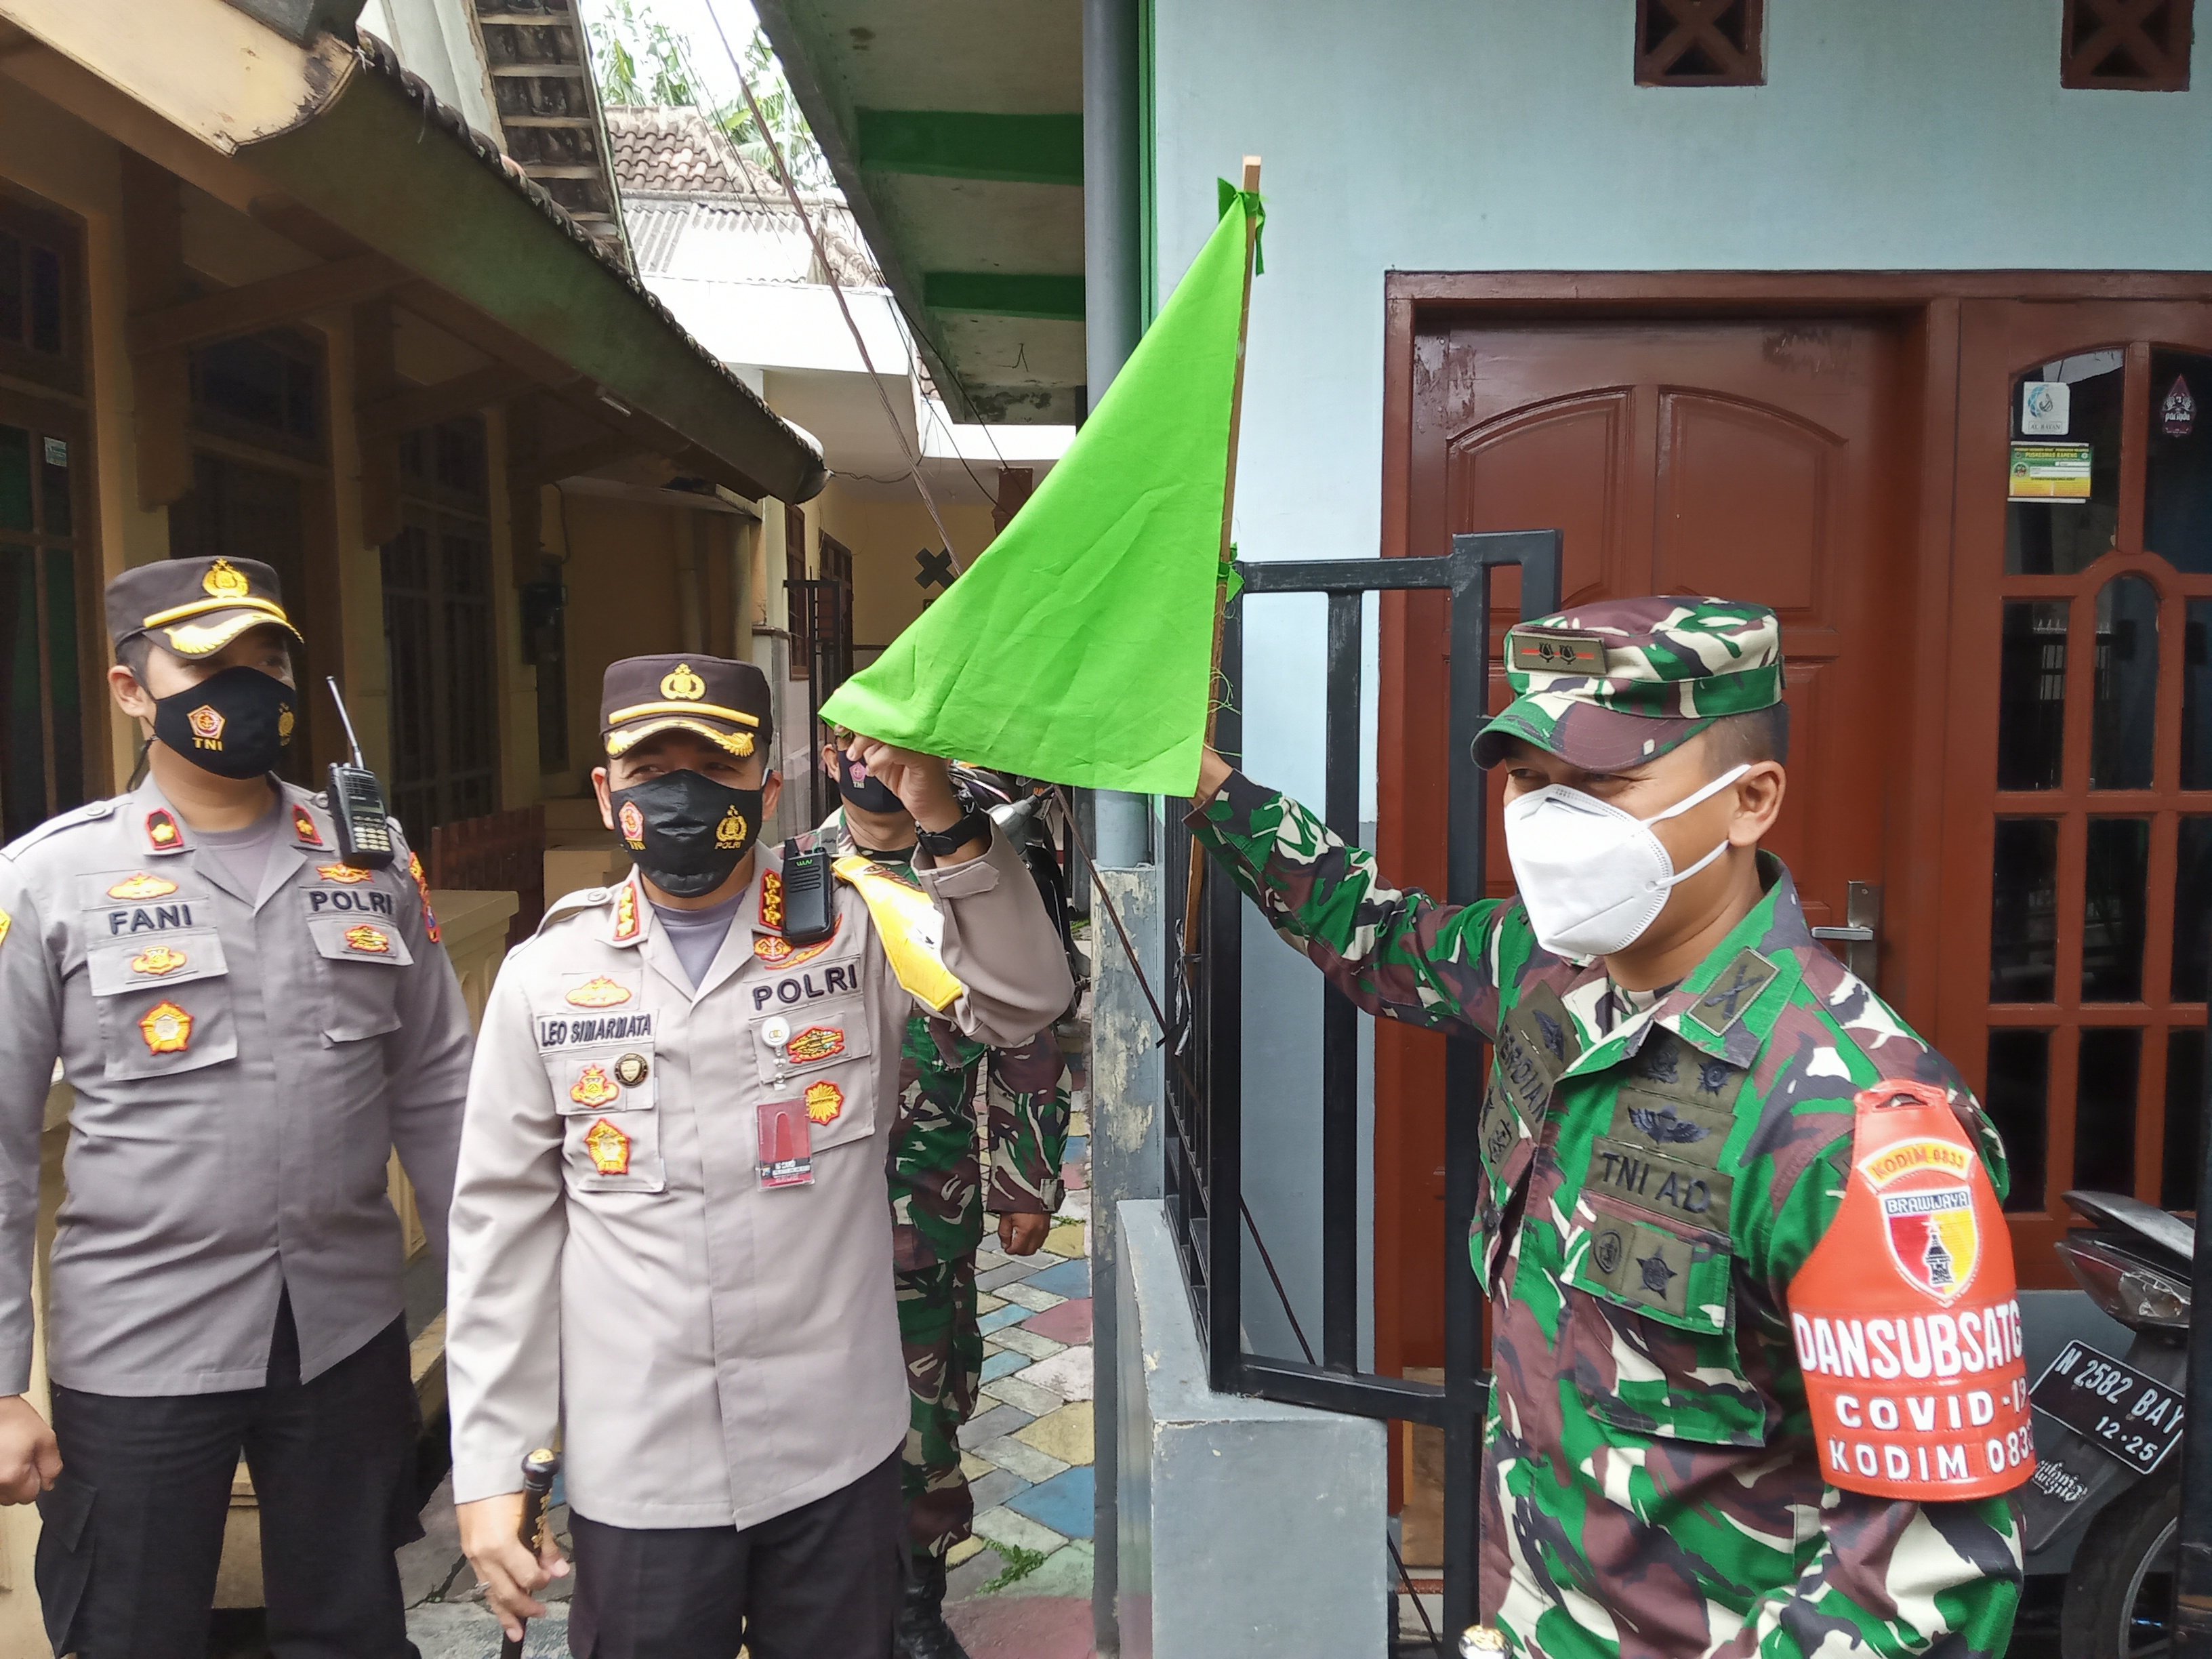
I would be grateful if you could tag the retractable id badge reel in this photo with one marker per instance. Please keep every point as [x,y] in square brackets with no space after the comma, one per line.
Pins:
[786,1146]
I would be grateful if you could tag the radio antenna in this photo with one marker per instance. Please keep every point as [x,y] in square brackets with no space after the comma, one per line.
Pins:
[338,697]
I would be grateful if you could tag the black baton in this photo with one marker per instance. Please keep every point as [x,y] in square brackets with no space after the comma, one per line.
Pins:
[537,1472]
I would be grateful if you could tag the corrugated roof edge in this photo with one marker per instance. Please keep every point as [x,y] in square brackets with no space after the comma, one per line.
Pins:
[376,55]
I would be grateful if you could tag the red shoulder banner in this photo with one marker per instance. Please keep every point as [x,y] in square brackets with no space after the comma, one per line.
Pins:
[1907,1315]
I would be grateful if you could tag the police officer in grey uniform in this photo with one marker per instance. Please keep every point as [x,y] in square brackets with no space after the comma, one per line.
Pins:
[671,1232]
[250,1027]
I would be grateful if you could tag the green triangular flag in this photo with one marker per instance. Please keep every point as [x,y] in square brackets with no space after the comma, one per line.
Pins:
[1079,646]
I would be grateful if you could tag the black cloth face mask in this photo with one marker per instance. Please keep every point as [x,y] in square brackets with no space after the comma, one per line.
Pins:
[236,724]
[870,794]
[688,831]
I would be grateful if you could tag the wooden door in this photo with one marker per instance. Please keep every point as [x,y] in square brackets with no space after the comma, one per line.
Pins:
[2077,844]
[1756,459]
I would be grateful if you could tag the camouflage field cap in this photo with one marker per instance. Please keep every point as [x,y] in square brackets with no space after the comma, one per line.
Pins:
[1610,685]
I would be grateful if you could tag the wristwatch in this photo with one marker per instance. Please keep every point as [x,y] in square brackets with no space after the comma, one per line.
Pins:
[943,843]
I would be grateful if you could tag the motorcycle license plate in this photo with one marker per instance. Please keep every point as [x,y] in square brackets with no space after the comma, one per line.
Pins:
[2136,1418]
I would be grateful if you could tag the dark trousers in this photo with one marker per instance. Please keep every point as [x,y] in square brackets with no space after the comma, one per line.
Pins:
[819,1582]
[132,1530]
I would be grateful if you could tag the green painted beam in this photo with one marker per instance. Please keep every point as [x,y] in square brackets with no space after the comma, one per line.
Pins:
[1023,149]
[1004,294]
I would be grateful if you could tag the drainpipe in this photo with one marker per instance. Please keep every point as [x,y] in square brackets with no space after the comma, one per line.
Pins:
[1121,823]
[1111,249]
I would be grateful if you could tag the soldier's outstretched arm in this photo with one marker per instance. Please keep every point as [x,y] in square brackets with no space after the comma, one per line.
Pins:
[509,1223]
[1396,952]
[999,943]
[427,1066]
[30,1039]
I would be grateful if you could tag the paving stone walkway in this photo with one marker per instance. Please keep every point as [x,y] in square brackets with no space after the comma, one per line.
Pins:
[1021,1587]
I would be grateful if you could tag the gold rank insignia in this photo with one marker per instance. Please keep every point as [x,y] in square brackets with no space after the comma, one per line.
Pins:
[731,831]
[599,992]
[344,872]
[167,1028]
[625,913]
[158,961]
[824,1100]
[369,941]
[303,826]
[631,1069]
[161,829]
[207,724]
[422,886]
[816,1043]
[771,912]
[682,683]
[633,826]
[141,886]
[592,1087]
[608,1147]
[224,581]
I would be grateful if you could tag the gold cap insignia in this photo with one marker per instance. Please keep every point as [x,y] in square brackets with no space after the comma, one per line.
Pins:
[224,581]
[167,1028]
[592,1087]
[731,831]
[158,961]
[608,1147]
[682,683]
[141,886]
[599,991]
[824,1100]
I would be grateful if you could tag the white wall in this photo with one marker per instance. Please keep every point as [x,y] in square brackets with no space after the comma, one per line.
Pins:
[435,39]
[1477,135]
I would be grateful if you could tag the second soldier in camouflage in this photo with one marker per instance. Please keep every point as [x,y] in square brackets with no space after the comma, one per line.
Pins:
[1664,1140]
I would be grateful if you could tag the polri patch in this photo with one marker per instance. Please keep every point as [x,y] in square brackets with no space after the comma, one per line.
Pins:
[158,961]
[369,941]
[593,1087]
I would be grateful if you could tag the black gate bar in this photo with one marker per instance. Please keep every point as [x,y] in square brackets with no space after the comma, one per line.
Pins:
[1203,1153]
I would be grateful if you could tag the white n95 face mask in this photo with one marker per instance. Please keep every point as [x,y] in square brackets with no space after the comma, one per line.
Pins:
[1593,877]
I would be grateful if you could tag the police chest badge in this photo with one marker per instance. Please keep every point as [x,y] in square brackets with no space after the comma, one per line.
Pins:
[630,1070]
[369,941]
[816,1043]
[167,1028]
[1906,1315]
[599,992]
[158,961]
[608,1148]
[141,886]
[345,873]
[824,1100]
[592,1087]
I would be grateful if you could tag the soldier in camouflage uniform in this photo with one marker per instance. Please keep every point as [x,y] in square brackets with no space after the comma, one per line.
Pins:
[1664,1140]
[939,1193]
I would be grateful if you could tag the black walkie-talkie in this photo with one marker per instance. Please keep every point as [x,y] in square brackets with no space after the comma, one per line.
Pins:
[810,903]
[357,804]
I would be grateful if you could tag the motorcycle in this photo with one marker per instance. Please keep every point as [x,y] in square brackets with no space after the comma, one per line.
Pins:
[2108,1430]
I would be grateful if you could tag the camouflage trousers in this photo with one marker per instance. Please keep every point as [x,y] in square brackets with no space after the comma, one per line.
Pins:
[943,1349]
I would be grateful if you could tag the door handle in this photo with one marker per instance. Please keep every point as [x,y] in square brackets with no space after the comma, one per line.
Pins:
[1861,934]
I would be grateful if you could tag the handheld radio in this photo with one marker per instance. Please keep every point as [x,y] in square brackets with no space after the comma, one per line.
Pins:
[809,902]
[357,804]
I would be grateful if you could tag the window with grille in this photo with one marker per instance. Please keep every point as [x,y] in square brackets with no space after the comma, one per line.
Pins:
[1700,43]
[2125,46]
[438,634]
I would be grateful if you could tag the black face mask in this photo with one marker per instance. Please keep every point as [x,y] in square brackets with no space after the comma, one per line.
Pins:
[235,723]
[688,831]
[869,794]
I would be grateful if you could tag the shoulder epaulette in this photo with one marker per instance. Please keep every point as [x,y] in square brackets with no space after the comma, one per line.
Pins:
[91,812]
[569,904]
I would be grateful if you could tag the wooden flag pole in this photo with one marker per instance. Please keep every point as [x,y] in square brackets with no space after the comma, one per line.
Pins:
[1194,885]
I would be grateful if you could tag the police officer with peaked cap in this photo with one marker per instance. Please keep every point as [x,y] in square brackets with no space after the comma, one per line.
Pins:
[671,1232]
[250,1027]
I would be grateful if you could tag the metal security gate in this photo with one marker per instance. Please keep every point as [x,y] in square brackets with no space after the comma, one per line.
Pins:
[1204,1187]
